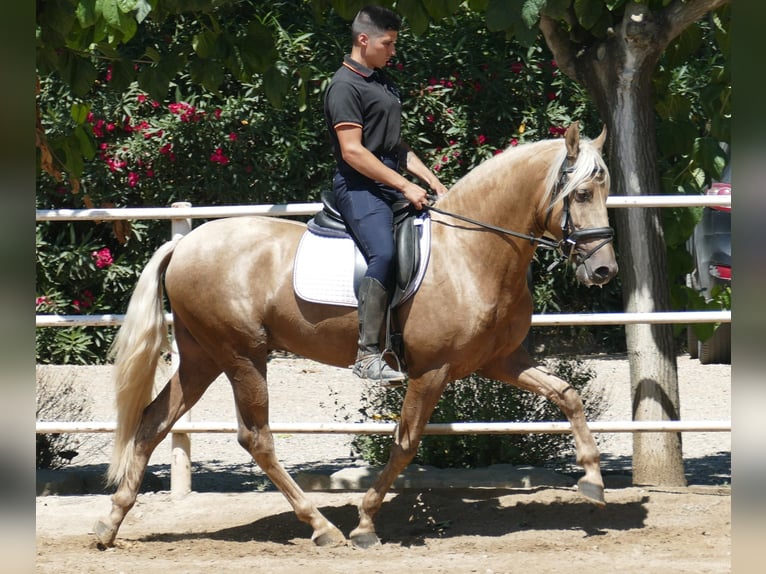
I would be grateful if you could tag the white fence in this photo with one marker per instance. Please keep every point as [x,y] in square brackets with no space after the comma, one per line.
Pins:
[181,215]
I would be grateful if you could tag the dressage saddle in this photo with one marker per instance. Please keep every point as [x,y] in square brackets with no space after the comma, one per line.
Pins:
[406,237]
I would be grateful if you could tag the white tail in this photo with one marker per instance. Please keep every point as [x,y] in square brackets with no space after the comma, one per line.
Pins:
[137,348]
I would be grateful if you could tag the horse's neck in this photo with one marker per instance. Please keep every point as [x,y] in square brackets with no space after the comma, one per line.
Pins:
[506,190]
[503,192]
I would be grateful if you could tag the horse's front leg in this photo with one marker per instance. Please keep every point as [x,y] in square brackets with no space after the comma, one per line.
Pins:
[520,370]
[419,402]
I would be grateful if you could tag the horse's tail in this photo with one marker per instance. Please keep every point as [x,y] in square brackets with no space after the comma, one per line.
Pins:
[136,349]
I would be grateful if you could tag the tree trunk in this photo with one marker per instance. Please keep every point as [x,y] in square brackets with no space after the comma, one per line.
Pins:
[618,74]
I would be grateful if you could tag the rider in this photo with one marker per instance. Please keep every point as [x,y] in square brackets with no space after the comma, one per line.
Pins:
[363,111]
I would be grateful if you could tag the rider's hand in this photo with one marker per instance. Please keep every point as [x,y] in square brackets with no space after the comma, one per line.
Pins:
[416,195]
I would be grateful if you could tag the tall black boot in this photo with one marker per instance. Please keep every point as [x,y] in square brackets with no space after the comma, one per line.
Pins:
[373,304]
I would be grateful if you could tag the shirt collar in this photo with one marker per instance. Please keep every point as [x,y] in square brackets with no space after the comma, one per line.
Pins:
[355,66]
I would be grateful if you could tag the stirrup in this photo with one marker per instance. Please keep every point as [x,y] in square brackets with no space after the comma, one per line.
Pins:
[374,368]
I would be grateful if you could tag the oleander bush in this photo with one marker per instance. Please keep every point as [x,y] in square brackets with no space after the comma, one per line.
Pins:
[476,399]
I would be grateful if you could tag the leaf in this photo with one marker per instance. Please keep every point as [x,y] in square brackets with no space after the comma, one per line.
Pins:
[123,75]
[204,43]
[347,9]
[589,12]
[154,82]
[499,16]
[86,13]
[142,10]
[530,12]
[87,145]
[415,15]
[275,85]
[79,113]
[207,73]
[556,9]
[258,48]
[79,73]
[110,11]
[439,9]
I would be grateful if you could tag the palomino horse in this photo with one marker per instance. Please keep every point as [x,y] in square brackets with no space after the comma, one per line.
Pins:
[229,283]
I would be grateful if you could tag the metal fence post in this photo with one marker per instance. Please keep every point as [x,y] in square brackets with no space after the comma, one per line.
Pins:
[180,462]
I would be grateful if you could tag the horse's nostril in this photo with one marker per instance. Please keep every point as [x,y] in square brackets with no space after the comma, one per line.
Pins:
[603,273]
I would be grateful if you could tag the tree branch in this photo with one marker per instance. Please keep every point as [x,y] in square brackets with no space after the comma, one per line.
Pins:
[561,46]
[682,13]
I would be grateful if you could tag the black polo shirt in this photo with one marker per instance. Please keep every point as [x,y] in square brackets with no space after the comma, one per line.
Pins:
[366,98]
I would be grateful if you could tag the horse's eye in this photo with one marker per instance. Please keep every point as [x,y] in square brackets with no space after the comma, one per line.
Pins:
[583,194]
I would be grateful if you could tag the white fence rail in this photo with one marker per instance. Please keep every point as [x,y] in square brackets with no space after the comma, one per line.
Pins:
[182,213]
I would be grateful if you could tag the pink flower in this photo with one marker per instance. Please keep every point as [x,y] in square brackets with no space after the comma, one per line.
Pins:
[551,96]
[557,131]
[219,157]
[217,113]
[481,140]
[43,300]
[102,257]
[430,118]
[514,142]
[132,179]
[141,98]
[232,137]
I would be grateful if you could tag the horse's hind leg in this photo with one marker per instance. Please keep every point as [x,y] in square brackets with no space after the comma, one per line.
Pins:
[194,375]
[521,371]
[248,381]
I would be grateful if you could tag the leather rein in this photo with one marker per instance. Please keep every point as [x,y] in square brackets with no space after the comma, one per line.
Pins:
[571,236]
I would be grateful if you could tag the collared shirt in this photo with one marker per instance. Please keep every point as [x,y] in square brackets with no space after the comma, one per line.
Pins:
[366,98]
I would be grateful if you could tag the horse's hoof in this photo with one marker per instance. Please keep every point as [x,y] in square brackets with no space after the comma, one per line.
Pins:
[365,540]
[332,537]
[593,492]
[105,535]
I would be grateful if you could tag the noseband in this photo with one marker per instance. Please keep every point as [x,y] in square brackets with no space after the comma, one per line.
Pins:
[567,247]
[571,236]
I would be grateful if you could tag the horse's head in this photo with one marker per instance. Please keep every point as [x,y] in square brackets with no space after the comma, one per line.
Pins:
[575,207]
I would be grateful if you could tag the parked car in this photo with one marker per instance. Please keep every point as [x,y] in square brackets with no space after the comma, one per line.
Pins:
[710,247]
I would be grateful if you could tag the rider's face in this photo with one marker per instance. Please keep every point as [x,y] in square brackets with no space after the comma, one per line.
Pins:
[378,50]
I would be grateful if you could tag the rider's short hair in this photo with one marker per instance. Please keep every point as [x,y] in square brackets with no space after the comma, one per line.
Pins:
[374,21]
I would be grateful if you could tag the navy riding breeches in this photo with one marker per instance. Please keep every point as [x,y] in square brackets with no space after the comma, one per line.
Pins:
[366,209]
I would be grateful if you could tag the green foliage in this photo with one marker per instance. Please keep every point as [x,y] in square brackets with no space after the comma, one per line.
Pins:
[692,89]
[476,399]
[81,269]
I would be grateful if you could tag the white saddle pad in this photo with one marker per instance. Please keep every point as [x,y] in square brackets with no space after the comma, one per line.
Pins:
[324,266]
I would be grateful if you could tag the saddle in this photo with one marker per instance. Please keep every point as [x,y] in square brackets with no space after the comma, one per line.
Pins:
[406,239]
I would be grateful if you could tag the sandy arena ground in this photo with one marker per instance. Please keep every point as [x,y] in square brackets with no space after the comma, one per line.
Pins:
[229,524]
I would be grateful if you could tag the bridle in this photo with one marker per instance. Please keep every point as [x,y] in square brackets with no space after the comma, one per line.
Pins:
[571,237]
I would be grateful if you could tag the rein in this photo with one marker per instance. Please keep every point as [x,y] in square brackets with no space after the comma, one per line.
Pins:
[565,247]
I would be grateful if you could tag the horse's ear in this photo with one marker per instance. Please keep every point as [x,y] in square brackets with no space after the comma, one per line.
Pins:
[598,143]
[572,138]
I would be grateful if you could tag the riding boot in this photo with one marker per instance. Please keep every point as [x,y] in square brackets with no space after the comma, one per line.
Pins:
[373,304]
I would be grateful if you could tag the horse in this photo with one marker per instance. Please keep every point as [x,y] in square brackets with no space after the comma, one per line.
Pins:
[229,287]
